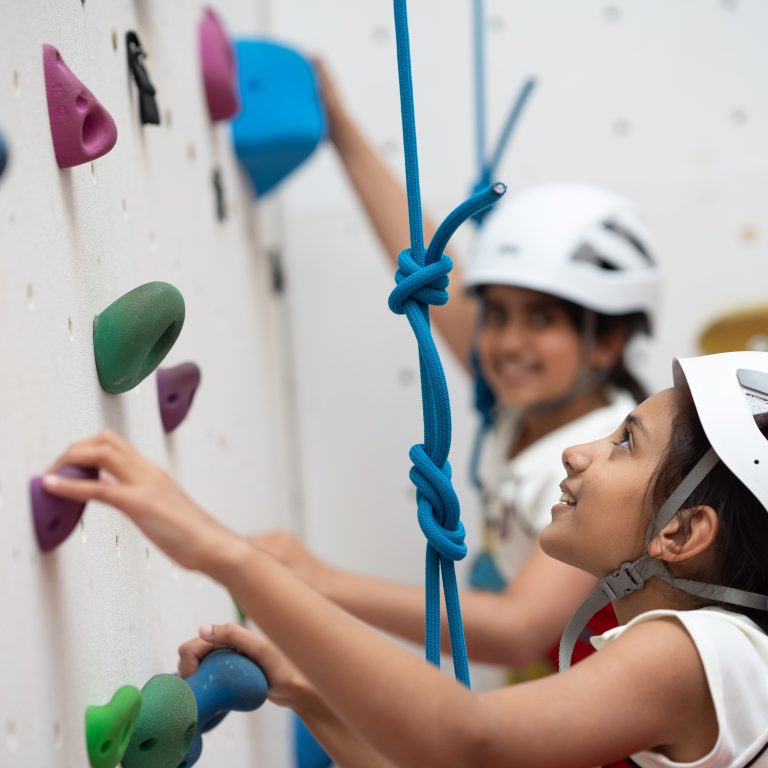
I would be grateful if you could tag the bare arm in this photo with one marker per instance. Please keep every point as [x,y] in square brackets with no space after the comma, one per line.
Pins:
[384,199]
[288,687]
[511,628]
[648,689]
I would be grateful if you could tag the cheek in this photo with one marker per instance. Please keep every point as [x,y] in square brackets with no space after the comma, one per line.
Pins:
[559,350]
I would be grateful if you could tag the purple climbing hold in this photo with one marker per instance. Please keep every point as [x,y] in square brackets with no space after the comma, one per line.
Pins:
[55,518]
[217,61]
[175,389]
[81,127]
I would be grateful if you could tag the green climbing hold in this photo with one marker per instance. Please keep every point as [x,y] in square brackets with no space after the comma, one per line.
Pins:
[133,334]
[166,724]
[108,728]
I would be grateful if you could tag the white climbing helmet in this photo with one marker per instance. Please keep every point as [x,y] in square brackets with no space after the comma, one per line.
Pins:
[575,241]
[729,390]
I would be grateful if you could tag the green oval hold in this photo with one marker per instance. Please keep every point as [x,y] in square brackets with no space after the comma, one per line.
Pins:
[108,728]
[166,724]
[133,334]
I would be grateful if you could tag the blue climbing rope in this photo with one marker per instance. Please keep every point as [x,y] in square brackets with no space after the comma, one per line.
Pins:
[422,279]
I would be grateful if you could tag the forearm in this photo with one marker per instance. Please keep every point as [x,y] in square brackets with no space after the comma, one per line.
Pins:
[384,200]
[399,704]
[346,748]
[499,629]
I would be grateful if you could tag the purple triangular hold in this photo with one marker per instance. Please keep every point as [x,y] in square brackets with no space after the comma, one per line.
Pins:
[217,62]
[175,389]
[54,517]
[81,127]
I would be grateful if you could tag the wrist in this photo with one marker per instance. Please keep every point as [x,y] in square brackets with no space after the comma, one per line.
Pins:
[224,556]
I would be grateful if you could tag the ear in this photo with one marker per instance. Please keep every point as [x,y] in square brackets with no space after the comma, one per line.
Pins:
[608,348]
[689,533]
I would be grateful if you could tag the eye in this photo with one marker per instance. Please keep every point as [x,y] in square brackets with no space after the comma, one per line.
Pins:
[625,441]
[493,315]
[541,318]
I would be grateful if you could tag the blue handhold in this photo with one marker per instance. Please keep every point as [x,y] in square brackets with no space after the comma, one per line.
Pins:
[485,575]
[308,752]
[282,118]
[3,154]
[225,682]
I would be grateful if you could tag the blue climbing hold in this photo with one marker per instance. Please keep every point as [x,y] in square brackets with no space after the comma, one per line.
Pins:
[225,682]
[307,750]
[282,119]
[3,154]
[485,575]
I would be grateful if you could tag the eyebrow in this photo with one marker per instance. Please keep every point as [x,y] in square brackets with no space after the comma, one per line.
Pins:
[636,421]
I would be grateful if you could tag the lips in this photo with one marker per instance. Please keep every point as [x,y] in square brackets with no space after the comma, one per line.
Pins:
[567,497]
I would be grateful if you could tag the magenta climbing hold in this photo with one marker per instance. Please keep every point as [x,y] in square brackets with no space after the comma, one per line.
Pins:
[55,518]
[81,127]
[217,61]
[175,389]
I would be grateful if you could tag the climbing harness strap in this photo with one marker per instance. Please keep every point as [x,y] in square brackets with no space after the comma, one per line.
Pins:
[422,279]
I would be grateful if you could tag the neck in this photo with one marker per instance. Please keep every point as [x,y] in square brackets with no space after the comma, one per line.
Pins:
[537,423]
[655,595]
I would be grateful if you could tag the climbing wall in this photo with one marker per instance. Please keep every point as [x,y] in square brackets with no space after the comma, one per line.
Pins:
[661,101]
[106,608]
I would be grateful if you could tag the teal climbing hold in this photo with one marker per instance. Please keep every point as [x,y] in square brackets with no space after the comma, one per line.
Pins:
[166,724]
[108,729]
[133,334]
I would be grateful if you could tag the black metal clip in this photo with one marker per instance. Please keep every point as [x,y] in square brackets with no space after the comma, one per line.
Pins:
[148,111]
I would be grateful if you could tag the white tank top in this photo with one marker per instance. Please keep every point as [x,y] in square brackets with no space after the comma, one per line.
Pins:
[734,653]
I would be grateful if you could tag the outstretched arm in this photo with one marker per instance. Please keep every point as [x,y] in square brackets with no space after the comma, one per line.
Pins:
[649,686]
[383,197]
[513,628]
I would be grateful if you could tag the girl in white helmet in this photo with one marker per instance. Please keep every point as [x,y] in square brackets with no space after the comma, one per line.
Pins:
[562,277]
[669,512]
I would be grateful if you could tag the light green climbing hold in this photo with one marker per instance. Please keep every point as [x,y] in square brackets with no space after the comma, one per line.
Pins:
[108,728]
[166,724]
[133,334]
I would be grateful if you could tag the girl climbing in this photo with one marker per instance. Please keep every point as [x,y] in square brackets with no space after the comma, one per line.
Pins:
[563,276]
[668,512]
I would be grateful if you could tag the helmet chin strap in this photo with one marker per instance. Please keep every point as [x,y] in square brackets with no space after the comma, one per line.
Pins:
[631,576]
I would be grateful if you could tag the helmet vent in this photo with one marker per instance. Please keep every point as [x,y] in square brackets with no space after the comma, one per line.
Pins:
[588,254]
[625,234]
[509,249]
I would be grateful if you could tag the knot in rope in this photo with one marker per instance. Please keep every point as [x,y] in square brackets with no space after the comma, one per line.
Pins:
[438,505]
[426,284]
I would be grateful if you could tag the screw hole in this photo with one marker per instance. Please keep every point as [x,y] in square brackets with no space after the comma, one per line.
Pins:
[757,461]
[105,747]
[148,744]
[54,524]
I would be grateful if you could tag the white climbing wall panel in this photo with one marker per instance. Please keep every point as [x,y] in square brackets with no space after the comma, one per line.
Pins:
[662,100]
[305,416]
[107,609]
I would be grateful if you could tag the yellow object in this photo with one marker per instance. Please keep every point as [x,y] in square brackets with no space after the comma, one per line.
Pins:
[741,329]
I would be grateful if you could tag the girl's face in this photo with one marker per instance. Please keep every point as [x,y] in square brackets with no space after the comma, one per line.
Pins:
[530,352]
[601,518]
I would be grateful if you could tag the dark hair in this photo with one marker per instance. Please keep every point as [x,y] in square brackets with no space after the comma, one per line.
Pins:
[619,376]
[743,521]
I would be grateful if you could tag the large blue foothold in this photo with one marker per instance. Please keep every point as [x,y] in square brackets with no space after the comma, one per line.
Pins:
[225,682]
[282,119]
[3,154]
[307,750]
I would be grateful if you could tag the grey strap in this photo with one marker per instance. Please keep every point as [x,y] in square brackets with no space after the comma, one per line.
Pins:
[688,485]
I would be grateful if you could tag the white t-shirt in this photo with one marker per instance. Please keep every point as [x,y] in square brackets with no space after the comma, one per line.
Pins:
[734,653]
[520,492]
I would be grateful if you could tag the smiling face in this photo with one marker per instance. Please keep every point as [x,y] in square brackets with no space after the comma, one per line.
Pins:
[603,512]
[530,351]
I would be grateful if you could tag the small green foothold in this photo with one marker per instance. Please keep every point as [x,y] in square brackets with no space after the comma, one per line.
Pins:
[108,728]
[133,334]
[240,612]
[166,724]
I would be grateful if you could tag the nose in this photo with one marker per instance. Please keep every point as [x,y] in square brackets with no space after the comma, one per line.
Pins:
[575,459]
[512,336]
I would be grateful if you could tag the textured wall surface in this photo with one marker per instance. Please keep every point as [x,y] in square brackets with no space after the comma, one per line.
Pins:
[309,404]
[107,608]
